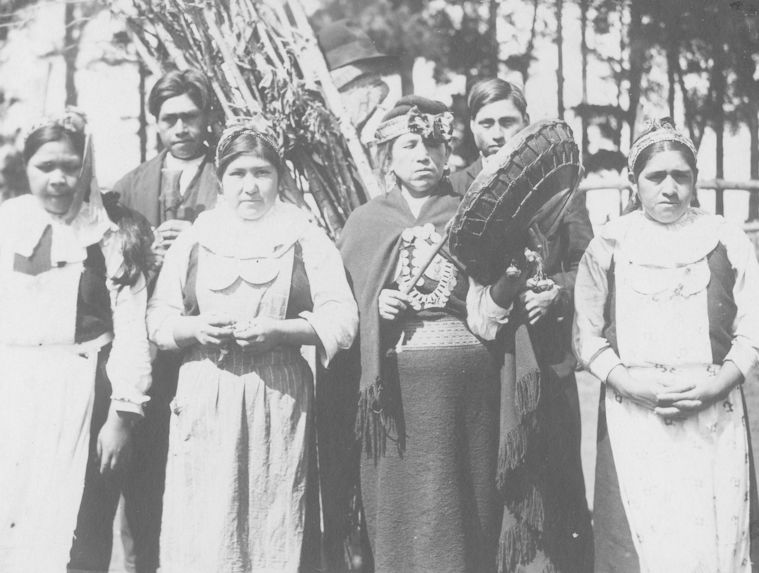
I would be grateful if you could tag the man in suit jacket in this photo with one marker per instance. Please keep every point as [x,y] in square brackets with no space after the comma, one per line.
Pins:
[170,190]
[498,110]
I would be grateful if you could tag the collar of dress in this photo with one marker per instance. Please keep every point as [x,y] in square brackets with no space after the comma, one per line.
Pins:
[687,240]
[70,240]
[222,232]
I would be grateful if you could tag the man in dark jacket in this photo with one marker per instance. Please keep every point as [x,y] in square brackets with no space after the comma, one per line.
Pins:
[170,190]
[498,110]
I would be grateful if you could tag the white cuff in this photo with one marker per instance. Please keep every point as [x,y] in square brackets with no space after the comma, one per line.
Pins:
[743,356]
[328,345]
[603,363]
[494,311]
[127,405]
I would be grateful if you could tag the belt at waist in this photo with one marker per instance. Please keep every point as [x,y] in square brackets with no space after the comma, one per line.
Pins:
[443,332]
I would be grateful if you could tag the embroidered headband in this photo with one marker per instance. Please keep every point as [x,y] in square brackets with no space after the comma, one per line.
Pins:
[255,127]
[656,131]
[72,120]
[437,128]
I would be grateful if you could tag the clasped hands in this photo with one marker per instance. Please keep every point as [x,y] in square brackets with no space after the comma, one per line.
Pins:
[260,334]
[675,399]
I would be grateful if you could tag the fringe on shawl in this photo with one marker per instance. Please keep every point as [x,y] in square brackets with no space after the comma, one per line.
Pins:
[519,546]
[377,422]
[528,393]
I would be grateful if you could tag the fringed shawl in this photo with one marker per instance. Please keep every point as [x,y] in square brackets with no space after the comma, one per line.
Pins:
[370,248]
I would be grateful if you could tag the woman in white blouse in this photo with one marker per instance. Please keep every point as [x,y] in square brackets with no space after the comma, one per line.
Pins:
[239,293]
[72,320]
[667,316]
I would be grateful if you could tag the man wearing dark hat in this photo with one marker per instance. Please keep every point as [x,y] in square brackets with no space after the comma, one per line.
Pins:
[368,80]
[170,190]
[498,111]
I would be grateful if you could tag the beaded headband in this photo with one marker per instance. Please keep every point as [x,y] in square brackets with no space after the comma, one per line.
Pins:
[656,131]
[254,127]
[72,120]
[437,128]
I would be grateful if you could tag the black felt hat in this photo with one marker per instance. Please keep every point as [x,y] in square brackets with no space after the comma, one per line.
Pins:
[423,104]
[344,42]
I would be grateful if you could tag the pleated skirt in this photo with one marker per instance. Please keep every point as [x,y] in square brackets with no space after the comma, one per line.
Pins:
[235,497]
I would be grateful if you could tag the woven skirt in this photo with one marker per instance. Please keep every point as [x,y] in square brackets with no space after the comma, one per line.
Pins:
[436,508]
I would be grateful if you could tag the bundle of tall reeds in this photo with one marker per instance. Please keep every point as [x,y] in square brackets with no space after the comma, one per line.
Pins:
[262,58]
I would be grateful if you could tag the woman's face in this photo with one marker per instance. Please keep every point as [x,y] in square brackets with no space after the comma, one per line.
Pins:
[417,164]
[249,186]
[53,173]
[666,186]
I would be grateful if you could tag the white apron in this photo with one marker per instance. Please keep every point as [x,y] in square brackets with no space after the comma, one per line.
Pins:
[47,390]
[238,449]
[684,484]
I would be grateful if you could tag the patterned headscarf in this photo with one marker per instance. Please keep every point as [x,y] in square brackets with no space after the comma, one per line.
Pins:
[256,126]
[656,131]
[414,114]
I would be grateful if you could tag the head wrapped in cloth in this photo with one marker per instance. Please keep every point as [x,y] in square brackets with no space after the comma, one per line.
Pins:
[414,114]
[656,132]
[248,135]
[71,125]
[411,114]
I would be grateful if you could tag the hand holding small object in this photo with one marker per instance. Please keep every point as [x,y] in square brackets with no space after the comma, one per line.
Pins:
[261,334]
[392,303]
[213,330]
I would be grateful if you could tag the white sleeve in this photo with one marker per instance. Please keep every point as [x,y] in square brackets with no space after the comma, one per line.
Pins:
[591,293]
[483,316]
[166,306]
[742,256]
[128,366]
[335,314]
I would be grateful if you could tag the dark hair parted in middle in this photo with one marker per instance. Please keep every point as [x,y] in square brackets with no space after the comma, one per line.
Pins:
[176,83]
[490,90]
[52,132]
[248,143]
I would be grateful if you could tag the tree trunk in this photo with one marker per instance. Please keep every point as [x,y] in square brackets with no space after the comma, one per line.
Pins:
[142,129]
[637,52]
[672,54]
[560,50]
[753,126]
[72,32]
[494,51]
[531,44]
[584,54]
[407,73]
[718,75]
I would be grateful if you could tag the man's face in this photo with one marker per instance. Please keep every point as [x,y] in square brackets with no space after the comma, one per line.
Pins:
[495,124]
[182,127]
